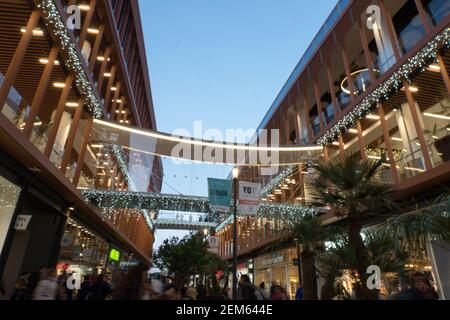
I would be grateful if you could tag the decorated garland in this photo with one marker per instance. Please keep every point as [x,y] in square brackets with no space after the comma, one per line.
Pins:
[394,83]
[286,173]
[54,22]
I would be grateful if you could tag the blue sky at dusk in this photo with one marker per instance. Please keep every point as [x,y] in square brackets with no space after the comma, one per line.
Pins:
[223,63]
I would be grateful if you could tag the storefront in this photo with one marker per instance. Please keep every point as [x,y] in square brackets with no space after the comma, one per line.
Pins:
[278,268]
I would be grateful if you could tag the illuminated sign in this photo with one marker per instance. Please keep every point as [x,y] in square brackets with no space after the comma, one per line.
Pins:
[114,255]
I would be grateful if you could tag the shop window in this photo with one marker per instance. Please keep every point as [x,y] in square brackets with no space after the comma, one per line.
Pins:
[9,195]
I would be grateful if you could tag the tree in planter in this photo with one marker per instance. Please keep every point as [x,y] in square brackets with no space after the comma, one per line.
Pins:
[350,189]
[310,234]
[186,258]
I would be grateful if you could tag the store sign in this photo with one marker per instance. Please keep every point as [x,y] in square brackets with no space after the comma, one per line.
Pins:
[22,222]
[249,198]
[219,192]
[274,259]
[114,255]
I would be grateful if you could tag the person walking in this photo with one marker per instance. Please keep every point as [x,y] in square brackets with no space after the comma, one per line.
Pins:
[277,293]
[131,285]
[100,289]
[47,287]
[85,289]
[261,292]
[246,289]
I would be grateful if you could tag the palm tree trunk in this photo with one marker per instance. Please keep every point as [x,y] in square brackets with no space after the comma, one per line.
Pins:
[309,275]
[362,292]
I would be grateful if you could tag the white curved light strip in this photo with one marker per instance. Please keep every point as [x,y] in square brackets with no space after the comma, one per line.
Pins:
[205,143]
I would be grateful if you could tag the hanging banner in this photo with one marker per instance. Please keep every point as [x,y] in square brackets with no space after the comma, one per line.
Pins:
[249,198]
[213,245]
[219,192]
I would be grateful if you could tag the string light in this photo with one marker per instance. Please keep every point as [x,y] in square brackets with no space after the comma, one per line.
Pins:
[421,60]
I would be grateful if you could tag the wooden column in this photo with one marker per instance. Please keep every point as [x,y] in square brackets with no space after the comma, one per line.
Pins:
[287,128]
[298,121]
[115,98]
[387,141]
[87,21]
[306,111]
[71,136]
[319,105]
[17,59]
[58,115]
[341,148]
[365,44]
[40,92]
[96,48]
[332,89]
[444,72]
[417,126]
[348,73]
[362,146]
[84,144]
[423,16]
[110,84]
[102,71]
[391,30]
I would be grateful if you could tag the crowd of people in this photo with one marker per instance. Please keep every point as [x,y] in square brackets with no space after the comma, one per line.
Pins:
[134,284]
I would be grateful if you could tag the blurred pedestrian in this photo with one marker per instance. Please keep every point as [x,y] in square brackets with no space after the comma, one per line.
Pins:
[85,289]
[100,289]
[418,289]
[261,292]
[246,289]
[277,292]
[47,287]
[130,287]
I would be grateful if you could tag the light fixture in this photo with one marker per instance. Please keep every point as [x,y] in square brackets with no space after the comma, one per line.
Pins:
[434,67]
[119,101]
[107,74]
[72,104]
[372,117]
[397,139]
[353,130]
[84,7]
[36,32]
[336,143]
[412,89]
[71,209]
[235,173]
[45,61]
[59,84]
[113,89]
[93,31]
[436,116]
[123,112]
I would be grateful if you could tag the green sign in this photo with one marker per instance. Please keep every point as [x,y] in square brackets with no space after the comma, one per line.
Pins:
[114,255]
[219,192]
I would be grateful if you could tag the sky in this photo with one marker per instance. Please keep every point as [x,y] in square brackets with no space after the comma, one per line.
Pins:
[222,63]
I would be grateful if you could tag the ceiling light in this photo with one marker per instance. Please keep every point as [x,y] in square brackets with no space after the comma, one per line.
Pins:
[397,139]
[412,89]
[353,130]
[434,67]
[93,31]
[36,32]
[335,143]
[59,84]
[84,7]
[372,117]
[107,74]
[72,104]
[113,89]
[45,61]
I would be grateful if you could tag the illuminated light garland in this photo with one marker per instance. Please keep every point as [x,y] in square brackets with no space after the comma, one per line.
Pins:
[394,83]
[54,22]
[147,201]
[286,173]
[274,211]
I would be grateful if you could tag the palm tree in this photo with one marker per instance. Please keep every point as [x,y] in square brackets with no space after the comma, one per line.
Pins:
[380,246]
[414,229]
[310,235]
[350,189]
